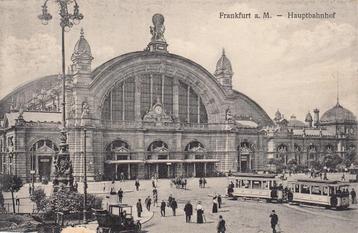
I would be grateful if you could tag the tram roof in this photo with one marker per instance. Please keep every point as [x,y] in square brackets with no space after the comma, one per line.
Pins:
[330,182]
[252,175]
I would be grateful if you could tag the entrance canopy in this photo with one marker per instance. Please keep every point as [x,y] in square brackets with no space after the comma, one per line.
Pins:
[123,161]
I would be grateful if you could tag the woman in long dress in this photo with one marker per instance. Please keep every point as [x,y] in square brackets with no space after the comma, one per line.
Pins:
[199,213]
[215,205]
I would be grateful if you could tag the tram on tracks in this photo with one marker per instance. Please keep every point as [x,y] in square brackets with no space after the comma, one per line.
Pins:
[260,186]
[327,193]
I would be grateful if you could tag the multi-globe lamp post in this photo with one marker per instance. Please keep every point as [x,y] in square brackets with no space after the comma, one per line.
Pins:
[63,174]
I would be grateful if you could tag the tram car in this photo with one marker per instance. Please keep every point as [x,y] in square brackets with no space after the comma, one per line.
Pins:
[327,193]
[261,186]
[118,218]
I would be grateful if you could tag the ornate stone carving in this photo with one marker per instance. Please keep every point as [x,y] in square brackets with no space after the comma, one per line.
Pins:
[158,29]
[157,114]
[85,110]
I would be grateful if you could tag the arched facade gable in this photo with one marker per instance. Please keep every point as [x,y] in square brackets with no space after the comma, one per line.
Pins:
[107,144]
[188,141]
[146,146]
[33,140]
[203,83]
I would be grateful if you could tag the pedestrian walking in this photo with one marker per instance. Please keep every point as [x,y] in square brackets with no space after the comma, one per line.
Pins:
[155,197]
[354,196]
[188,209]
[139,208]
[30,189]
[343,177]
[162,208]
[185,183]
[215,205]
[137,184]
[204,182]
[104,187]
[274,221]
[199,213]
[221,227]
[170,199]
[174,206]
[148,203]
[120,195]
[153,182]
[200,182]
[219,201]
[122,177]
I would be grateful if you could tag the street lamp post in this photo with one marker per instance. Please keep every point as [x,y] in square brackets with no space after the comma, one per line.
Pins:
[85,175]
[63,174]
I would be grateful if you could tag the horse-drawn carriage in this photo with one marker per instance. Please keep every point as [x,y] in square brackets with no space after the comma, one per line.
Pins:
[118,218]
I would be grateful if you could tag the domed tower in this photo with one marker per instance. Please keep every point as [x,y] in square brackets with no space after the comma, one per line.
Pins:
[278,116]
[81,57]
[340,119]
[223,72]
[309,120]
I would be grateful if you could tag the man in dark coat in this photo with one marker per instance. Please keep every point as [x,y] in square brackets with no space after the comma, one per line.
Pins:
[274,221]
[174,206]
[120,195]
[162,208]
[221,227]
[188,209]
[354,196]
[220,201]
[137,184]
[139,208]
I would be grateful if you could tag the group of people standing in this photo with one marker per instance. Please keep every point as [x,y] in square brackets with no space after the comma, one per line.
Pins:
[202,182]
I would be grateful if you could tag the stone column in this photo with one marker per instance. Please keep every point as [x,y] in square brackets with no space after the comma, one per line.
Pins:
[176,98]
[137,96]
[194,171]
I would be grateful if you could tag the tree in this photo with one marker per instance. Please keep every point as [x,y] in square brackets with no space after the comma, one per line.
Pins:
[11,183]
[39,197]
[1,201]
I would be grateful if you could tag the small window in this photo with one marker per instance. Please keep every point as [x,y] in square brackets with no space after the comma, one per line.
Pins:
[305,189]
[316,190]
[297,188]
[325,190]
[256,184]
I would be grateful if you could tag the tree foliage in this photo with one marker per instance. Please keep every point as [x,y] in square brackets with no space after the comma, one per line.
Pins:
[39,197]
[68,201]
[10,183]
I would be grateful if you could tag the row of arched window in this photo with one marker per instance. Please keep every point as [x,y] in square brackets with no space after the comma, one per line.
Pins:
[119,104]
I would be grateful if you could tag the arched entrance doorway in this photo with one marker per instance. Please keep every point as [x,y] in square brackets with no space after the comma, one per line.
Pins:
[245,157]
[43,153]
[118,163]
[157,151]
[195,160]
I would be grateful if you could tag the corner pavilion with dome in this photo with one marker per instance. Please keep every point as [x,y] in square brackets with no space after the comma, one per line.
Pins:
[152,113]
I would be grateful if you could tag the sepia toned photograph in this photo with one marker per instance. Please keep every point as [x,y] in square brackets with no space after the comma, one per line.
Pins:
[178,116]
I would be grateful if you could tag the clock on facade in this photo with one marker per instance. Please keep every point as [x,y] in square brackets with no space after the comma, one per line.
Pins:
[158,109]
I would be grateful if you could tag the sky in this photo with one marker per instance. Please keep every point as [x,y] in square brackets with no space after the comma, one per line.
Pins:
[288,64]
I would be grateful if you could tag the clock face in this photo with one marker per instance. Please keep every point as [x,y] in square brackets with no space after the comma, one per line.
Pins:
[158,109]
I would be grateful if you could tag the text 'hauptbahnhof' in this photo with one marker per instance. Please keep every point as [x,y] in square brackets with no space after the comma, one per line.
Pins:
[152,112]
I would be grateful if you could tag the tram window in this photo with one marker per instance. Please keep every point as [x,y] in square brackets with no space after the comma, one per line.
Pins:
[305,189]
[256,184]
[316,190]
[297,188]
[264,184]
[331,191]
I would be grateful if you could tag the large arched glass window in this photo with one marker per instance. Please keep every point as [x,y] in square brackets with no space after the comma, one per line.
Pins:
[119,103]
[191,108]
[155,86]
